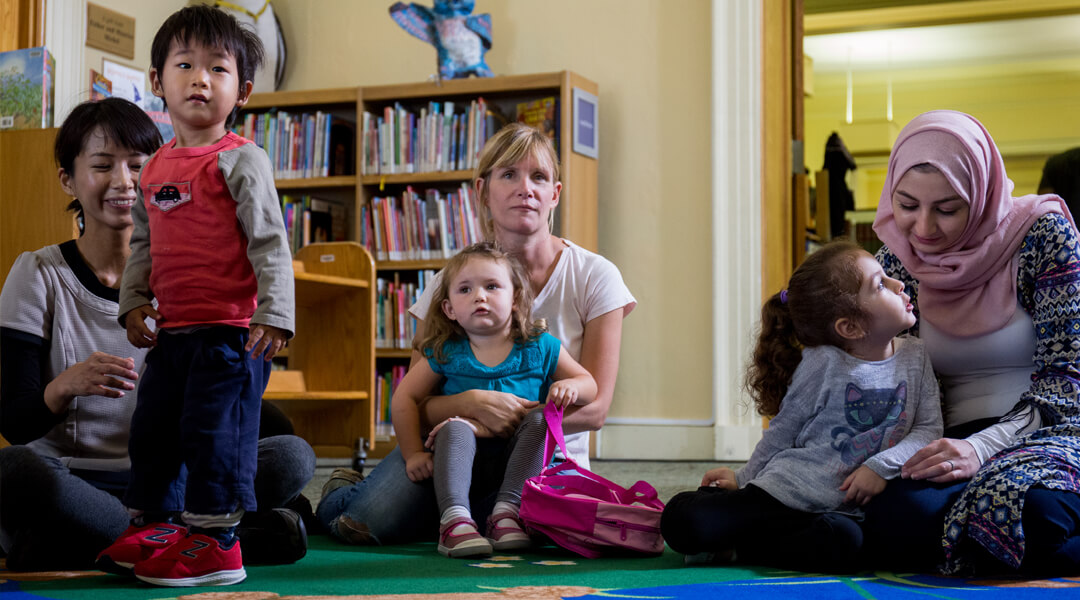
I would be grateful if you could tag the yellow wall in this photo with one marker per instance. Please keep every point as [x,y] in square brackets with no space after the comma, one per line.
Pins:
[652,64]
[1031,110]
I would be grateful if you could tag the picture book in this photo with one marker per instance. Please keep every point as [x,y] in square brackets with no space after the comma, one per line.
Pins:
[100,88]
[541,114]
[26,89]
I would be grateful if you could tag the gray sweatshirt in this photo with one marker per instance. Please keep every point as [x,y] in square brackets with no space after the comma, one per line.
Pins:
[841,412]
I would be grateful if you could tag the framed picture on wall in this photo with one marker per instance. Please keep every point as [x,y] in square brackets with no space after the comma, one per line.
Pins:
[585,114]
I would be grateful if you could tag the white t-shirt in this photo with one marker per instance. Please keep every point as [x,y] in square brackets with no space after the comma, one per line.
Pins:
[583,286]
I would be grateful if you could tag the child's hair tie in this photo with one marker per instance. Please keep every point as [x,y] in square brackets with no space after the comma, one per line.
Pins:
[783,296]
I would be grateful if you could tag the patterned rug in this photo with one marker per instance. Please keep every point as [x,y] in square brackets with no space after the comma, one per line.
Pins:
[416,571]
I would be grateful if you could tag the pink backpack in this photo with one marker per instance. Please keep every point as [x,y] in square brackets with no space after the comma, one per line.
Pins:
[586,513]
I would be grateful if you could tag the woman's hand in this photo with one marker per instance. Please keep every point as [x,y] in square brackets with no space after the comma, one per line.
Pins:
[862,485]
[500,412]
[721,477]
[942,461]
[101,375]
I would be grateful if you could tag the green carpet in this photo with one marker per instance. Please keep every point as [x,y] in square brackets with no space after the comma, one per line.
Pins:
[333,570]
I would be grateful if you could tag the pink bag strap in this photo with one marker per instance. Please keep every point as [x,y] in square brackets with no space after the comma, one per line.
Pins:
[553,414]
[586,482]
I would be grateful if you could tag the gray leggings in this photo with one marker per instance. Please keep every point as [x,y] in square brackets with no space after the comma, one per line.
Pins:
[53,518]
[455,448]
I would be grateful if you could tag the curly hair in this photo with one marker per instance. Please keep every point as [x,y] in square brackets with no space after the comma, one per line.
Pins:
[824,289]
[439,329]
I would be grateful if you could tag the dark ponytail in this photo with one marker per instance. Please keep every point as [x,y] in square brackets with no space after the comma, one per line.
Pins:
[824,289]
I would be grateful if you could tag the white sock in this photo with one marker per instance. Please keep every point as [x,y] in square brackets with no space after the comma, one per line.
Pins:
[453,513]
[506,507]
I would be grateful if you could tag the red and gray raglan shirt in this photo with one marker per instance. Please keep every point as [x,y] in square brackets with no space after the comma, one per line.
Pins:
[209,241]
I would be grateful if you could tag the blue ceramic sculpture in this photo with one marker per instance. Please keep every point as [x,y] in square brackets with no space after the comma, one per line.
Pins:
[461,39]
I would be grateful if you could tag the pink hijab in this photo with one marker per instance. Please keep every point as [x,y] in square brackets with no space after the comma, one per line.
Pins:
[968,289]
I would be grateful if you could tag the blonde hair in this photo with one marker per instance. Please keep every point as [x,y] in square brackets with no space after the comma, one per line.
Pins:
[439,329]
[507,147]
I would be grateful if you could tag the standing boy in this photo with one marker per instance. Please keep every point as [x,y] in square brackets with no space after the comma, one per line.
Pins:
[209,244]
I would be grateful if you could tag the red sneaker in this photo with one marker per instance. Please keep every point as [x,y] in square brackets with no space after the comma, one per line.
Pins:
[137,544]
[195,560]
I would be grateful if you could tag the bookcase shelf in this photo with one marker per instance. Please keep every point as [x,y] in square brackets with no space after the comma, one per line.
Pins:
[327,388]
[340,392]
[393,352]
[410,265]
[410,178]
[336,181]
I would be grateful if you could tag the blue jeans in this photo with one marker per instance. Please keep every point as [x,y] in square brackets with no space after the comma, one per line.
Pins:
[43,501]
[388,508]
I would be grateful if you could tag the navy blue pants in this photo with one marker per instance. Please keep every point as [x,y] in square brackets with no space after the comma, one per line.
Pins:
[904,526]
[760,530]
[195,429]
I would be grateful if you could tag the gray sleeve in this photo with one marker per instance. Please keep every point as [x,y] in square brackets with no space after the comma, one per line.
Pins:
[250,179]
[797,408]
[135,284]
[926,425]
[999,436]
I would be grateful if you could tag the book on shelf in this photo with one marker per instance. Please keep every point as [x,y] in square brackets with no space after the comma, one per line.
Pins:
[301,145]
[416,226]
[309,219]
[542,113]
[438,136]
[395,327]
[386,382]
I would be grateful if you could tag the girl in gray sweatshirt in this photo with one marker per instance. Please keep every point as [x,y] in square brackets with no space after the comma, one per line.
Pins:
[849,403]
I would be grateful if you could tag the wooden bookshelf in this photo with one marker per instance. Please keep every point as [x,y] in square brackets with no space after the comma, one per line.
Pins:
[340,385]
[32,204]
[326,390]
[576,216]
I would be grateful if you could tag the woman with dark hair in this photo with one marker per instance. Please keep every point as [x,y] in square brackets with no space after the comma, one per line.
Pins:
[995,279]
[68,374]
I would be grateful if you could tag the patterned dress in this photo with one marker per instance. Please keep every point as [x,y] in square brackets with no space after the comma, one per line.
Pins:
[989,510]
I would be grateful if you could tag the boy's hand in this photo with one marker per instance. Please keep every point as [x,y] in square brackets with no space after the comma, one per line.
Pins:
[266,337]
[862,485]
[419,466]
[138,333]
[563,393]
[721,477]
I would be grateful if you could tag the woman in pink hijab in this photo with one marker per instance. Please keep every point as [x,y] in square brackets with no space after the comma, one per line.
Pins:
[996,283]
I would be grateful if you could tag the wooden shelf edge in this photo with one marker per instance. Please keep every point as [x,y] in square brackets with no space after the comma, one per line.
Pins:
[303,276]
[426,177]
[301,98]
[393,353]
[316,182]
[457,87]
[344,396]
[405,265]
